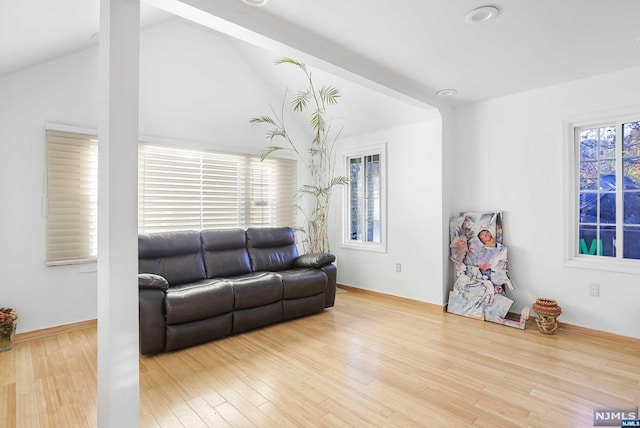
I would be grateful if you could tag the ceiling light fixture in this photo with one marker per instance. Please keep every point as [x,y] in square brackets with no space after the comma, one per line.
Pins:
[481,14]
[255,2]
[446,92]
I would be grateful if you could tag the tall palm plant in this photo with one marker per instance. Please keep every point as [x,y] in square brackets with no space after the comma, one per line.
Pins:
[319,158]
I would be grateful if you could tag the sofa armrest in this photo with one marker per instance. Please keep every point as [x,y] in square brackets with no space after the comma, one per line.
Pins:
[152,281]
[152,323]
[314,260]
[330,293]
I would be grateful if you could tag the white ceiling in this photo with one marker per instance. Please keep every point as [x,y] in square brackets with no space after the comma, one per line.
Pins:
[36,31]
[427,42]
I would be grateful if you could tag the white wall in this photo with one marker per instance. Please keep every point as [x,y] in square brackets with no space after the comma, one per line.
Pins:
[414,218]
[190,81]
[509,156]
[54,92]
[195,87]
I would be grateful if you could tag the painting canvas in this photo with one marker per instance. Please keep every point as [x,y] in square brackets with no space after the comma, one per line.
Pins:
[481,270]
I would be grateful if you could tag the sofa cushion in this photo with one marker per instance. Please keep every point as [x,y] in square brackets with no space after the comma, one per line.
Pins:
[175,256]
[271,248]
[256,289]
[225,252]
[198,300]
[299,283]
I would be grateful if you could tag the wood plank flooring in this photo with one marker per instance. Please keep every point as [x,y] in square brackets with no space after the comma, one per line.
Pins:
[372,360]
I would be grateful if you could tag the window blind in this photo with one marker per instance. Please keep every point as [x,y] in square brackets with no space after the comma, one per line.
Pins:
[191,189]
[178,189]
[71,198]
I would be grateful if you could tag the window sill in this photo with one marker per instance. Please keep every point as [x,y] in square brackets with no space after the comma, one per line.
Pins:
[375,248]
[620,266]
[85,265]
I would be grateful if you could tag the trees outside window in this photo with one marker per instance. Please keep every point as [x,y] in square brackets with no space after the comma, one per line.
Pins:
[608,185]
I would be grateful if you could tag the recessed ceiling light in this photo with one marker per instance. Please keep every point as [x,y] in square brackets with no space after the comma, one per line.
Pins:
[446,92]
[482,14]
[255,2]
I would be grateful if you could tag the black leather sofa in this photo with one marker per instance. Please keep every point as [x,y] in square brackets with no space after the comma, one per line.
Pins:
[200,286]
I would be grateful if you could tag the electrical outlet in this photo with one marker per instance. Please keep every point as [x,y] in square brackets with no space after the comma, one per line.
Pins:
[398,267]
[594,289]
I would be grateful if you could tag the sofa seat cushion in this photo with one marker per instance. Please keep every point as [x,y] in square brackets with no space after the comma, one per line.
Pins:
[256,289]
[198,300]
[299,283]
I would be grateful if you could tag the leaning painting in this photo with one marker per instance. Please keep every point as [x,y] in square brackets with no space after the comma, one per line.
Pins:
[480,266]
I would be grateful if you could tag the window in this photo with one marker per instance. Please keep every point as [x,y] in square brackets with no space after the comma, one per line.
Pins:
[178,189]
[191,189]
[607,184]
[364,225]
[70,204]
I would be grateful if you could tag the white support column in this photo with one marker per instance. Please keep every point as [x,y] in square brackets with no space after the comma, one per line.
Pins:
[118,356]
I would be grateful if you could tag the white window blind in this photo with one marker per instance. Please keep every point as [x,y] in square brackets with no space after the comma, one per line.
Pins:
[192,189]
[178,189]
[71,198]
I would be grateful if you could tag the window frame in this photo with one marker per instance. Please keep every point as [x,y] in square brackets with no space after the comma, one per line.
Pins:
[379,149]
[572,256]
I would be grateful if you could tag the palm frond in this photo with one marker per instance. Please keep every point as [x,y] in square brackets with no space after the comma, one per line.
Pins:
[287,60]
[330,94]
[300,101]
[339,181]
[268,150]
[262,119]
[275,132]
[307,189]
[317,120]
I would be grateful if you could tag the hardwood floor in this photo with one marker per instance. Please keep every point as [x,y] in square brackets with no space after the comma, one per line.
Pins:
[372,360]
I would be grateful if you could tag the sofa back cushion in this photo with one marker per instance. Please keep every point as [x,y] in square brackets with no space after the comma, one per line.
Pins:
[271,248]
[176,256]
[225,252]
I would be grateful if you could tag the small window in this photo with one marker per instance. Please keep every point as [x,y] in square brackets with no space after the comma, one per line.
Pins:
[71,198]
[364,225]
[606,216]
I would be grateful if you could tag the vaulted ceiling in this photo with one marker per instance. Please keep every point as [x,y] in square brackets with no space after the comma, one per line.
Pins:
[530,44]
